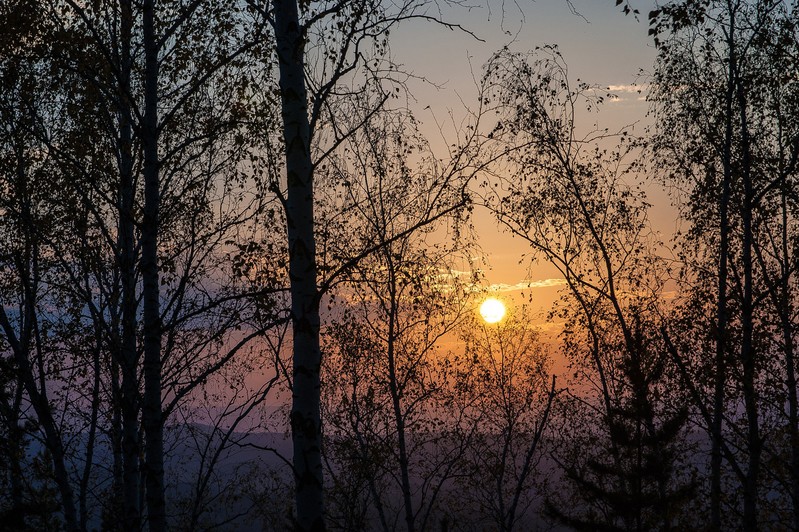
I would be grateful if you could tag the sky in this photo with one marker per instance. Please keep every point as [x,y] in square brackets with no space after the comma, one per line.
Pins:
[600,46]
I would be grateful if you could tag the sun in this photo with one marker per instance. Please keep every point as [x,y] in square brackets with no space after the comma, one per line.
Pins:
[492,310]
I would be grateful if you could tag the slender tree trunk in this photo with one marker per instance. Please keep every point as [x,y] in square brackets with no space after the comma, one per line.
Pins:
[95,408]
[716,429]
[396,400]
[56,448]
[128,356]
[306,426]
[505,520]
[151,404]
[527,467]
[793,418]
[115,508]
[44,415]
[129,387]
[10,411]
[15,450]
[786,311]
[748,354]
[116,444]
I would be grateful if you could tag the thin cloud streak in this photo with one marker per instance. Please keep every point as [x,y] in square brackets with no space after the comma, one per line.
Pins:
[526,284]
[628,88]
[623,93]
[502,287]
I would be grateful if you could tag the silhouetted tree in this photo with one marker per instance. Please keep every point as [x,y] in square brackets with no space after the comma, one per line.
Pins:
[578,206]
[729,140]
[506,381]
[387,417]
[346,42]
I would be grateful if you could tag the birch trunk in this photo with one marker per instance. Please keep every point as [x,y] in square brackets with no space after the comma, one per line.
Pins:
[305,409]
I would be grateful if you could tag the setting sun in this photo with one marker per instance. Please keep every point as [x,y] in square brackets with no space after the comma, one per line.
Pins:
[492,310]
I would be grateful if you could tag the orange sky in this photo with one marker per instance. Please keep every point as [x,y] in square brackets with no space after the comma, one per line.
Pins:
[602,47]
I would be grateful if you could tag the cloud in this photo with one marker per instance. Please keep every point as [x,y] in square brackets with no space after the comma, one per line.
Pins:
[625,93]
[629,89]
[447,277]
[526,284]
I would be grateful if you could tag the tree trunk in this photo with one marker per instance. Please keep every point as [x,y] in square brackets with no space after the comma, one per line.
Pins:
[748,354]
[95,410]
[721,311]
[15,444]
[44,415]
[128,356]
[305,409]
[396,399]
[118,466]
[151,404]
[786,311]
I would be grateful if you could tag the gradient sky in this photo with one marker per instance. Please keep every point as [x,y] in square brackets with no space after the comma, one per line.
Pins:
[600,45]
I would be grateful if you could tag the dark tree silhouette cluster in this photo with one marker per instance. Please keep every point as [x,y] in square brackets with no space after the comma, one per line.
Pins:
[238,285]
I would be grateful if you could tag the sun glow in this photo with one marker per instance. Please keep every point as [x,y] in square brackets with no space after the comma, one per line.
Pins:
[492,310]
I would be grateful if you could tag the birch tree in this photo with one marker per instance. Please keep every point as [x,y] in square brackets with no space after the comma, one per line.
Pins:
[386,410]
[325,52]
[578,206]
[730,141]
